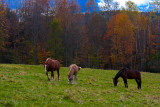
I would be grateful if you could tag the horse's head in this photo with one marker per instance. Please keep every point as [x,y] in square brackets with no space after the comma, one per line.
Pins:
[115,82]
[70,78]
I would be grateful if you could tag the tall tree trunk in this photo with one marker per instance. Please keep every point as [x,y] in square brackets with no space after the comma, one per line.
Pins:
[35,30]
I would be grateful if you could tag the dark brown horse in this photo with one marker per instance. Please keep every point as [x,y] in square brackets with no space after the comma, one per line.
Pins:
[52,65]
[128,74]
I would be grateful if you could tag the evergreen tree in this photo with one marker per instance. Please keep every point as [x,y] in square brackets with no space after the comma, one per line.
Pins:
[54,43]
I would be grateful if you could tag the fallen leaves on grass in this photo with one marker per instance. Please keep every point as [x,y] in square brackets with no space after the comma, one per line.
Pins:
[22,73]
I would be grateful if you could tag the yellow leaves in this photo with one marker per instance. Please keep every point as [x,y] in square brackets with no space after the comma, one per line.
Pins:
[3,27]
[2,12]
[120,28]
[121,34]
[123,26]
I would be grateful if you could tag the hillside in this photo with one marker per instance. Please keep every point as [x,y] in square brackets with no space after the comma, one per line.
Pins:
[27,85]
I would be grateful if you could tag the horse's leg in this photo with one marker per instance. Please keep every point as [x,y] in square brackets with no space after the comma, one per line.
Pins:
[52,75]
[58,74]
[47,75]
[137,83]
[75,78]
[125,82]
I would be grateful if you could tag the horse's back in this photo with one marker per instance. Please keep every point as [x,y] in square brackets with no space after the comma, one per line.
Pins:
[56,63]
[52,64]
[133,74]
[73,69]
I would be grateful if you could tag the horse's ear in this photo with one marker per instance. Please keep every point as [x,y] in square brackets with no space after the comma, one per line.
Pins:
[125,68]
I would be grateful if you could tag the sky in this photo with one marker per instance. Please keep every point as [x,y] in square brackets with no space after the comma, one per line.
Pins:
[122,2]
[143,5]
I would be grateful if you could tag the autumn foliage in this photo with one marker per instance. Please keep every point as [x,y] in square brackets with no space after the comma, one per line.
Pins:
[58,29]
[120,32]
[42,54]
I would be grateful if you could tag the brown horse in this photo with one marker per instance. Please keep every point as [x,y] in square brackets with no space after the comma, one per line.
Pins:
[73,70]
[128,74]
[52,65]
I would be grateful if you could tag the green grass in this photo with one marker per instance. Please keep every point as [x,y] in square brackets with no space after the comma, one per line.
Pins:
[27,85]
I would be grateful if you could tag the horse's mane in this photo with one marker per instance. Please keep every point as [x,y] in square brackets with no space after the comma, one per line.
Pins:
[119,73]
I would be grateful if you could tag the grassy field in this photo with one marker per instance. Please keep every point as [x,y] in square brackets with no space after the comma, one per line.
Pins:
[27,85]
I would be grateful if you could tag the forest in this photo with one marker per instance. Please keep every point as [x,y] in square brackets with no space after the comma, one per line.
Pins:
[108,39]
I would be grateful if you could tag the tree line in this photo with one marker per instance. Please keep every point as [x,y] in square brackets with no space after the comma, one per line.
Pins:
[108,39]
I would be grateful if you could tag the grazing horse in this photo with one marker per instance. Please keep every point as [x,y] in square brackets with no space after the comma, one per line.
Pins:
[128,74]
[73,70]
[52,65]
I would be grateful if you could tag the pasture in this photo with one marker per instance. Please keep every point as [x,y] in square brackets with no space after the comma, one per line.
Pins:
[27,85]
